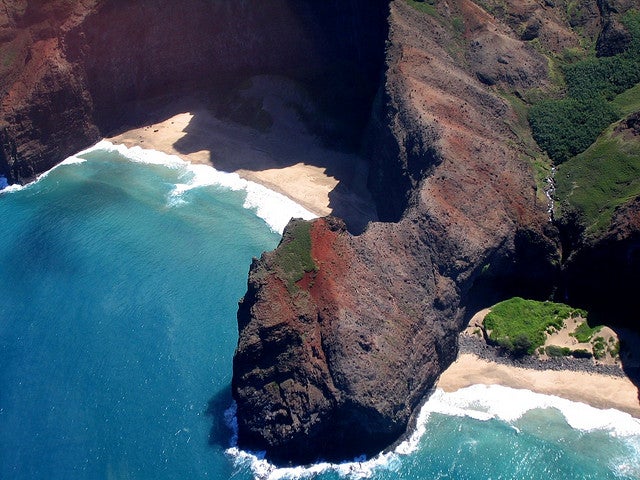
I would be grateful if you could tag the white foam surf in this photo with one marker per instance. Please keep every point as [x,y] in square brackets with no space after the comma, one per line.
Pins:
[72,160]
[628,466]
[485,402]
[274,208]
[481,402]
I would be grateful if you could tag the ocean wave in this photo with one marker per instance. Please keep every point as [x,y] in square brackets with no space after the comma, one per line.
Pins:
[72,160]
[262,469]
[481,402]
[484,402]
[14,187]
[272,207]
[137,154]
[628,466]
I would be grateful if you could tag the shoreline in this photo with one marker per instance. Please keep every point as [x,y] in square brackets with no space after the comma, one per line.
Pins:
[163,137]
[285,158]
[600,386]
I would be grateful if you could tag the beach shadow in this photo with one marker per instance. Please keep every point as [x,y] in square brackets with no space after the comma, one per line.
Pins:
[150,111]
[266,128]
[630,355]
[220,433]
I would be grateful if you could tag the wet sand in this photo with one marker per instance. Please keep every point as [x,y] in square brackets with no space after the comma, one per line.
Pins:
[597,390]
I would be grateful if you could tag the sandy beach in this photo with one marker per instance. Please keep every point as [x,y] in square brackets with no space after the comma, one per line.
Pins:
[478,363]
[597,390]
[284,157]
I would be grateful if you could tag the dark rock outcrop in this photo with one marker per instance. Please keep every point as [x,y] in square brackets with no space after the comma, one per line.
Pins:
[337,367]
[317,372]
[605,272]
[448,167]
[614,37]
[630,125]
[46,110]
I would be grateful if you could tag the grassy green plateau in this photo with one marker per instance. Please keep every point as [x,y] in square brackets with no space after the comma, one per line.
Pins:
[520,325]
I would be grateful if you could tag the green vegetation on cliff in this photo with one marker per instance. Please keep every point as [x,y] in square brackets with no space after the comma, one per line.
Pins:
[594,183]
[519,325]
[628,101]
[566,127]
[293,256]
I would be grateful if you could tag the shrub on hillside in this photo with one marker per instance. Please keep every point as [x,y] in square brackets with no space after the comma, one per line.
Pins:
[556,351]
[564,128]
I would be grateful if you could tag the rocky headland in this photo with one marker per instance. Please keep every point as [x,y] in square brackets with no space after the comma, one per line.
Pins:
[341,336]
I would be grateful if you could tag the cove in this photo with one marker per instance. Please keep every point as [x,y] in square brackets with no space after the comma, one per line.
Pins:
[121,271]
[118,320]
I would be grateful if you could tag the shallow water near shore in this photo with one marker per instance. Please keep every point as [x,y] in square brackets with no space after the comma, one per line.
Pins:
[121,271]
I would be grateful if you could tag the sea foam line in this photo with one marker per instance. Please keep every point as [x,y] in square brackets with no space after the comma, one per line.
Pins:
[481,402]
[274,208]
[73,159]
[485,402]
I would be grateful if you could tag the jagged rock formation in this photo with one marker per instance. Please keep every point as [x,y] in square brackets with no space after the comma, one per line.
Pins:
[449,168]
[613,38]
[320,374]
[341,336]
[336,367]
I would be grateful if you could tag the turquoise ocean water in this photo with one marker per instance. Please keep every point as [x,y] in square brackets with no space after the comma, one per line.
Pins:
[120,275]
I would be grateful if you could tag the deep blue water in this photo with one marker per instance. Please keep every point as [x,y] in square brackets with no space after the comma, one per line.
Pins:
[120,281]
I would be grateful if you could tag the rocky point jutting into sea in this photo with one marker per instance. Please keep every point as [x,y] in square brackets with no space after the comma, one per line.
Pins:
[342,336]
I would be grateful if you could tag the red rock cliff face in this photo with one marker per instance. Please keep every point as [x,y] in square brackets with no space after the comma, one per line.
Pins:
[46,110]
[371,328]
[335,366]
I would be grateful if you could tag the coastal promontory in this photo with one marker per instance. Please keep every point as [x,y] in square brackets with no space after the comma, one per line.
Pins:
[500,155]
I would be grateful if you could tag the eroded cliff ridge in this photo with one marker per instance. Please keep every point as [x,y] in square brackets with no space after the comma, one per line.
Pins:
[333,364]
[342,336]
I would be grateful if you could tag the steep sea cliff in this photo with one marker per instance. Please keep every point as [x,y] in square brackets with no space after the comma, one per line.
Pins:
[345,343]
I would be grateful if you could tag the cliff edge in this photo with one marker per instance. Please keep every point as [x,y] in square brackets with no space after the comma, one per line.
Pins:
[332,362]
